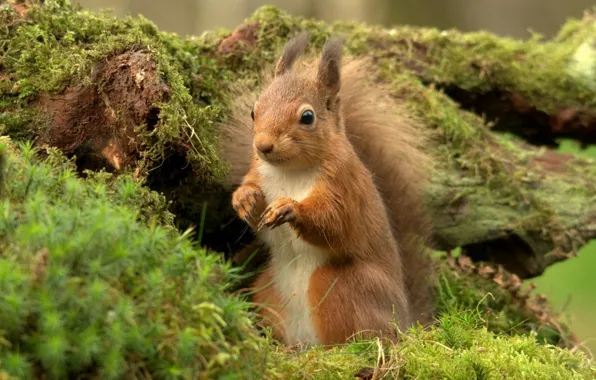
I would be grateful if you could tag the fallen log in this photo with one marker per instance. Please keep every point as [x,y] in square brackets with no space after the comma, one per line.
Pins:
[122,95]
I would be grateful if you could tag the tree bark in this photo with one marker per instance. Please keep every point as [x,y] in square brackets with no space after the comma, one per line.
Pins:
[121,95]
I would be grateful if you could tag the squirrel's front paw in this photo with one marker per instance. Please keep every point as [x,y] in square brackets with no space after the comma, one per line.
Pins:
[280,211]
[248,200]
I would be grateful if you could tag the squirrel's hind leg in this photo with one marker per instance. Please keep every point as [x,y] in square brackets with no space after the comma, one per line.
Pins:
[355,299]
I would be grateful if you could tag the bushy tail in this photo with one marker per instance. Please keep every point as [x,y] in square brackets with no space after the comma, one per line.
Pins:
[390,144]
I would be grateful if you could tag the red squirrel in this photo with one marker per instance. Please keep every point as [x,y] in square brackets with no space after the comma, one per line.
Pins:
[340,236]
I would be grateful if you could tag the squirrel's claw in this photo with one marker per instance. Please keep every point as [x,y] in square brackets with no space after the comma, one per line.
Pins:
[246,201]
[281,211]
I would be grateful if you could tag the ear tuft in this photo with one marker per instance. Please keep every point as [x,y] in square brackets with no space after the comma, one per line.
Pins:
[328,77]
[292,50]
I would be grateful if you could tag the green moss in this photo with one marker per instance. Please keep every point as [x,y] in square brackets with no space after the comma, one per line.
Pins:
[94,281]
[480,62]
[502,312]
[457,347]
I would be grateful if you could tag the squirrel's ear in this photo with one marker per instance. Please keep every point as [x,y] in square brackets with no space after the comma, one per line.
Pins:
[292,50]
[328,77]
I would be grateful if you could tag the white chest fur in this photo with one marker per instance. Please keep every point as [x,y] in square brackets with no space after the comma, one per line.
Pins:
[292,260]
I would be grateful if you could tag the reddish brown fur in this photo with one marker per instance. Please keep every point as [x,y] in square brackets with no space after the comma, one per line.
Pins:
[393,145]
[345,213]
[352,299]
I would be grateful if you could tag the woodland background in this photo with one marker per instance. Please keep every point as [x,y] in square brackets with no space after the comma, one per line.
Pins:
[568,285]
[112,172]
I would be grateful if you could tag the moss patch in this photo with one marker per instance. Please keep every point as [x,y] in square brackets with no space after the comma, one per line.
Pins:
[457,347]
[94,281]
[498,298]
[478,61]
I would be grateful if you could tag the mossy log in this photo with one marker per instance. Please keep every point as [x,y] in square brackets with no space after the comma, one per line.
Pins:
[121,95]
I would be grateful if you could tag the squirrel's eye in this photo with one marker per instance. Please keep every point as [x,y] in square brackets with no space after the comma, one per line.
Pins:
[252,114]
[307,118]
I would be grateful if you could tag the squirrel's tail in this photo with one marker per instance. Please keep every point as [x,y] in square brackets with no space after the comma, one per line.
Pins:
[235,135]
[391,144]
[387,140]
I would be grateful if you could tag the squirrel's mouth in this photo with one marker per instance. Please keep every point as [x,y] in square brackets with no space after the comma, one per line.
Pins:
[276,160]
[273,159]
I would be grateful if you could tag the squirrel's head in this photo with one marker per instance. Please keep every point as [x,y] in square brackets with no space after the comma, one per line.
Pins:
[296,118]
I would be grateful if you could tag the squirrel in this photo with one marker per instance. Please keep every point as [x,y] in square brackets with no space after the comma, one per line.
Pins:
[330,179]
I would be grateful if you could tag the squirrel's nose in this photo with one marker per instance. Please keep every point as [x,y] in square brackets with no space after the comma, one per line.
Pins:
[264,145]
